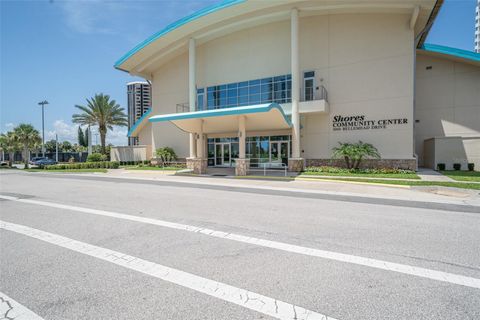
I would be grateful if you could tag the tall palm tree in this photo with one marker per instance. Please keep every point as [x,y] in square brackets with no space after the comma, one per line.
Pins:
[102,112]
[10,145]
[28,137]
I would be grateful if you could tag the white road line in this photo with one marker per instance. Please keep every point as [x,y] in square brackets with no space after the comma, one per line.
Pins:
[11,309]
[244,298]
[331,255]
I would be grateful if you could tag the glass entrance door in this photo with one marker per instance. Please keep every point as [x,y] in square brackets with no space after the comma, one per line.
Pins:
[279,152]
[222,154]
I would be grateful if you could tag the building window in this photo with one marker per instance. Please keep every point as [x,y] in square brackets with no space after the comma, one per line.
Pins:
[273,89]
[309,85]
[200,99]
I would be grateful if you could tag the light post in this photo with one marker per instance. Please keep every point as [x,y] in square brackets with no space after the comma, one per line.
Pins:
[43,103]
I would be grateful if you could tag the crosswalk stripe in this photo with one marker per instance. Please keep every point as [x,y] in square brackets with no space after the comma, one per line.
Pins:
[11,309]
[247,299]
[331,255]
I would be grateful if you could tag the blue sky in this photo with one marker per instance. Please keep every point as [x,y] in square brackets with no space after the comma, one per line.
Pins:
[64,51]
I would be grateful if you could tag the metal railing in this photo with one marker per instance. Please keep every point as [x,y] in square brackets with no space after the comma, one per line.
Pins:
[183,107]
[310,94]
[270,166]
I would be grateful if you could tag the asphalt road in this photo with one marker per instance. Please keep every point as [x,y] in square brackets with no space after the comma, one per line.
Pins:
[215,262]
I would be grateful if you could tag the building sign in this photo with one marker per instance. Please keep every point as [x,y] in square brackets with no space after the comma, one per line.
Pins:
[361,122]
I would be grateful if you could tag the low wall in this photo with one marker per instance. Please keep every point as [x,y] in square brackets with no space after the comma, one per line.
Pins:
[450,150]
[129,153]
[406,164]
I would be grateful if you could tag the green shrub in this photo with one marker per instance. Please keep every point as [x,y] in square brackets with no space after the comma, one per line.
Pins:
[354,153]
[441,166]
[457,166]
[166,154]
[95,157]
[85,165]
[471,166]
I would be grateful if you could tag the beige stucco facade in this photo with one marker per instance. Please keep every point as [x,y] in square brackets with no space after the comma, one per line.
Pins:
[447,111]
[362,53]
[374,80]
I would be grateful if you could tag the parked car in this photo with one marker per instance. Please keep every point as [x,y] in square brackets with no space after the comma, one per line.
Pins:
[35,159]
[44,162]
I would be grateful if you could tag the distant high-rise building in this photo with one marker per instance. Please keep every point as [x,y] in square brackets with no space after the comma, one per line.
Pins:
[477,27]
[139,102]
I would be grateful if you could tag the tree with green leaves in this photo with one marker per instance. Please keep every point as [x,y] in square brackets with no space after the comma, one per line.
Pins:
[354,153]
[28,137]
[102,112]
[9,145]
[81,136]
[50,146]
[66,146]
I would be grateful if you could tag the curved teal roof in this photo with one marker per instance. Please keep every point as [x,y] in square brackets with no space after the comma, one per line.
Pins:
[459,53]
[140,120]
[169,28]
[222,112]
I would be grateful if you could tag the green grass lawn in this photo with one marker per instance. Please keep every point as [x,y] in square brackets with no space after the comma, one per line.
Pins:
[475,186]
[67,170]
[152,168]
[367,175]
[463,175]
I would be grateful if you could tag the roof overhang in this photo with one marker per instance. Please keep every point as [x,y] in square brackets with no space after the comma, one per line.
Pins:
[454,54]
[138,126]
[235,15]
[261,117]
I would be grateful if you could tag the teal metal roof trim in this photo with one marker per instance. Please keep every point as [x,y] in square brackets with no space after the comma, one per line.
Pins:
[459,53]
[136,124]
[222,112]
[198,14]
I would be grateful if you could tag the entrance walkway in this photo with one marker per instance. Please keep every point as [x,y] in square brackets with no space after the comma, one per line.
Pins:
[427,174]
[258,172]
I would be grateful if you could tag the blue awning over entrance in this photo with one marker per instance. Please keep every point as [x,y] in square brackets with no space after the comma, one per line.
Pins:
[257,118]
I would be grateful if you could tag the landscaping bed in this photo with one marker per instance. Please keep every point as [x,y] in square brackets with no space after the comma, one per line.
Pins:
[69,170]
[367,173]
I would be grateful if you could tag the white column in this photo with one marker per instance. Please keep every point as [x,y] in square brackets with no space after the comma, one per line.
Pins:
[242,137]
[295,85]
[201,142]
[192,94]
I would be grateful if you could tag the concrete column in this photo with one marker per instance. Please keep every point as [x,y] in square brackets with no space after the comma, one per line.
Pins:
[192,94]
[242,137]
[295,85]
[201,142]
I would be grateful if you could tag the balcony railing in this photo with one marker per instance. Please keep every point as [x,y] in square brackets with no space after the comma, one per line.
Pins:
[307,94]
[310,94]
[183,107]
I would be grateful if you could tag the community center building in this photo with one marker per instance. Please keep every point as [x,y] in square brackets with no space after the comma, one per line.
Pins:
[247,83]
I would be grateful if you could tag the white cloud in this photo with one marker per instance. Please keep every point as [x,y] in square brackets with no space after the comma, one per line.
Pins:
[69,132]
[65,131]
[8,127]
[93,16]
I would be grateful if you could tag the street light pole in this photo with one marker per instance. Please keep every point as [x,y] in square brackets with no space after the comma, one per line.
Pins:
[43,103]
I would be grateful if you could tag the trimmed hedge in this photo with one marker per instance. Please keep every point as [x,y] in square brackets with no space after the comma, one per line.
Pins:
[84,165]
[97,157]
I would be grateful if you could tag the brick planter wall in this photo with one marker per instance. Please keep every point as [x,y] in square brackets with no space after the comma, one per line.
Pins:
[406,164]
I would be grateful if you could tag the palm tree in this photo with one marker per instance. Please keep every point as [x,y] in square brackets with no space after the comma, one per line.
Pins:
[9,145]
[354,153]
[28,137]
[102,112]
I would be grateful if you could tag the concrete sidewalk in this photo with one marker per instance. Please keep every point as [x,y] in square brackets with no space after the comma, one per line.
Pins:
[322,187]
[426,174]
